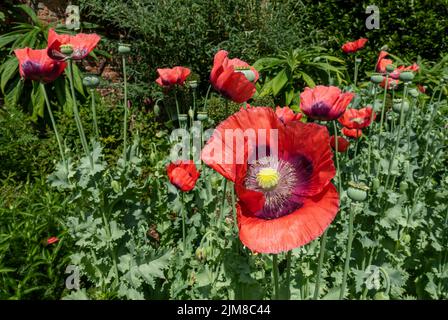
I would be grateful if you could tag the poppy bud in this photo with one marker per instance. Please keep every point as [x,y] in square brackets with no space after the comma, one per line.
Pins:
[156,109]
[91,81]
[357,191]
[191,113]
[375,184]
[376,78]
[406,76]
[381,296]
[67,49]
[413,93]
[390,68]
[249,74]
[358,60]
[124,48]
[115,186]
[403,186]
[193,84]
[202,116]
[201,254]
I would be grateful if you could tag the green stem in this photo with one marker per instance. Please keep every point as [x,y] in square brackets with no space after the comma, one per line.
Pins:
[336,156]
[206,98]
[323,242]
[275,274]
[95,122]
[125,120]
[431,119]
[383,107]
[409,124]
[53,123]
[184,218]
[364,293]
[177,107]
[223,203]
[397,142]
[288,273]
[356,72]
[348,254]
[234,209]
[76,114]
[111,249]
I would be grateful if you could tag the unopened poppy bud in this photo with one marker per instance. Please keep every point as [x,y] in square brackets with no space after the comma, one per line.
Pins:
[357,191]
[358,60]
[413,93]
[156,109]
[375,184]
[115,186]
[67,49]
[390,68]
[403,186]
[191,113]
[91,81]
[249,74]
[381,296]
[201,254]
[202,116]
[124,48]
[376,78]
[406,76]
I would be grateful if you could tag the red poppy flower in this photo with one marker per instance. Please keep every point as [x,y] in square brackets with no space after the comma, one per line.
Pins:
[357,118]
[421,88]
[396,73]
[170,77]
[343,144]
[382,62]
[391,83]
[183,174]
[36,65]
[352,133]
[52,240]
[286,115]
[324,103]
[283,184]
[229,79]
[351,47]
[82,44]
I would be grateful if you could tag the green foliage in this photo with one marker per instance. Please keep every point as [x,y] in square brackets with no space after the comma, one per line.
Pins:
[287,73]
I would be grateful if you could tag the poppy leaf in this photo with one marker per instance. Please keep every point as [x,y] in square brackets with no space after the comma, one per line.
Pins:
[279,82]
[8,70]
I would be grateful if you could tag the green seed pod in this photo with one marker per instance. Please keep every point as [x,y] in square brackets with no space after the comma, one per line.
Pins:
[67,49]
[115,186]
[183,117]
[357,191]
[381,296]
[390,68]
[249,74]
[192,84]
[376,78]
[403,186]
[413,93]
[91,81]
[201,254]
[202,116]
[398,104]
[124,48]
[406,76]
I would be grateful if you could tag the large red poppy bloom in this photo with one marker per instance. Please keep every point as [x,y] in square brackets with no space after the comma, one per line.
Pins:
[228,78]
[324,103]
[183,174]
[343,144]
[352,133]
[171,77]
[36,65]
[286,115]
[283,185]
[357,118]
[351,47]
[382,62]
[82,44]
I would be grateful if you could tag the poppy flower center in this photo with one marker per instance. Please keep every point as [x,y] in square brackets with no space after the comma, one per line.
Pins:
[276,179]
[320,109]
[358,120]
[268,178]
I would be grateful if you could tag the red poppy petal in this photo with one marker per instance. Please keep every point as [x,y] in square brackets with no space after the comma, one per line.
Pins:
[218,60]
[293,230]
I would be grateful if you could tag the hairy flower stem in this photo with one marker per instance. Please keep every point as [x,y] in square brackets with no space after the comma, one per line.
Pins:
[234,209]
[95,122]
[53,123]
[398,137]
[370,128]
[336,156]
[288,273]
[177,107]
[184,218]
[82,135]
[348,253]
[355,79]
[206,98]
[383,107]
[431,120]
[223,203]
[125,120]
[275,275]
[323,242]
[409,124]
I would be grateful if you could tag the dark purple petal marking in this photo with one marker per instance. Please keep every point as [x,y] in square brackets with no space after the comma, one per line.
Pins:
[320,110]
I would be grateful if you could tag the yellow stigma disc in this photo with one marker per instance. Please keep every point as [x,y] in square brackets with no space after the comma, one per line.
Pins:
[268,178]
